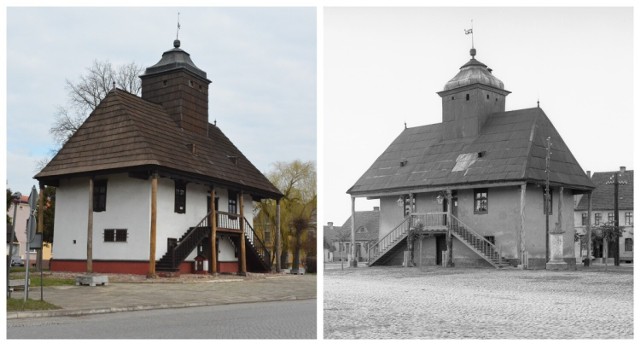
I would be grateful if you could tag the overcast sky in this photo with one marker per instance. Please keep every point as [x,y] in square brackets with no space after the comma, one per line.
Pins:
[383,67]
[379,68]
[261,61]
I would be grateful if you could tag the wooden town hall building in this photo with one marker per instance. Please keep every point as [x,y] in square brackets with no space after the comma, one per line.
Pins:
[147,185]
[470,190]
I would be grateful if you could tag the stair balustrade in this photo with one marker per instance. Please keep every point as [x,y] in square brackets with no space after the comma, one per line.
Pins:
[257,244]
[476,242]
[434,221]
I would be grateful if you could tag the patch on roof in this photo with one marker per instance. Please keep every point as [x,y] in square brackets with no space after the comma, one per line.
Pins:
[464,161]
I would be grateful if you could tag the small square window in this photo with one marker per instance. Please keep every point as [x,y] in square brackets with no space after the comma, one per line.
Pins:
[115,235]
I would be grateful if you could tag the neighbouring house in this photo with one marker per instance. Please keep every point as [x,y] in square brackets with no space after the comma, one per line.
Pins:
[470,191]
[603,212]
[22,216]
[367,225]
[147,185]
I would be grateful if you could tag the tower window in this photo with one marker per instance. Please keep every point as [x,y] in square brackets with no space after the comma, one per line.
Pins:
[452,97]
[164,82]
[467,97]
[487,96]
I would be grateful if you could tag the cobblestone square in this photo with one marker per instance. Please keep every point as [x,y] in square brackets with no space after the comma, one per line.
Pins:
[473,303]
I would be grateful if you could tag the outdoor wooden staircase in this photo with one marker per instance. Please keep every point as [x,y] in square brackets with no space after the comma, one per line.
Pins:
[476,242]
[258,255]
[380,252]
[178,252]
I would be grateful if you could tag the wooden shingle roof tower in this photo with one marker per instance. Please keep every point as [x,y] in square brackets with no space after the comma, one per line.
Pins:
[477,143]
[166,130]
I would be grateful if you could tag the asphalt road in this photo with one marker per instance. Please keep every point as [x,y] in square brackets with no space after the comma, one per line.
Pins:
[268,320]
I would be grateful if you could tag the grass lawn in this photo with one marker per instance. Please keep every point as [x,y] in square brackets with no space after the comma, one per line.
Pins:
[20,305]
[47,280]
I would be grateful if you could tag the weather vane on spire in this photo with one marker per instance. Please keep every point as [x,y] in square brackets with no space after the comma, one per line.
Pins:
[467,32]
[178,31]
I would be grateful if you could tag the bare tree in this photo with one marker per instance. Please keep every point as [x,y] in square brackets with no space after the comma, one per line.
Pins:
[88,92]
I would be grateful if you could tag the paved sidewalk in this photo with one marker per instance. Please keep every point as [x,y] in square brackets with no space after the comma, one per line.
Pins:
[170,293]
[474,303]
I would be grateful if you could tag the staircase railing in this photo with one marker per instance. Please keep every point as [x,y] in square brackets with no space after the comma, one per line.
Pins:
[430,220]
[257,243]
[480,245]
[228,220]
[186,245]
[390,238]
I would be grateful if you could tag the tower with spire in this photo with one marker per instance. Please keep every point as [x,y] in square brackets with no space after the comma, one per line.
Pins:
[177,84]
[469,97]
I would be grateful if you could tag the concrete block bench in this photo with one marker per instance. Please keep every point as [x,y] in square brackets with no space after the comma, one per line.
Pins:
[92,280]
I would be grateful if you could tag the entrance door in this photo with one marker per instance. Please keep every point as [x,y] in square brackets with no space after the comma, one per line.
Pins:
[454,200]
[441,247]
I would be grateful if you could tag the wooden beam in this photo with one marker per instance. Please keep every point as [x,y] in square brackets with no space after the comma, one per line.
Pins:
[213,268]
[521,245]
[354,261]
[90,229]
[450,223]
[153,231]
[243,250]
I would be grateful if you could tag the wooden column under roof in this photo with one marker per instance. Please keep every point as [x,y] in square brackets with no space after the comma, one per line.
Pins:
[154,217]
[213,268]
[243,251]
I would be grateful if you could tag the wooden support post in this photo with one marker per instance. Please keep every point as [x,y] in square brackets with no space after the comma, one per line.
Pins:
[521,245]
[354,260]
[243,251]
[154,220]
[278,236]
[213,267]
[90,229]
[449,229]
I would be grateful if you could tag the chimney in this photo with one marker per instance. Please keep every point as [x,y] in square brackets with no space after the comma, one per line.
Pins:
[330,224]
[623,169]
[589,174]
[376,208]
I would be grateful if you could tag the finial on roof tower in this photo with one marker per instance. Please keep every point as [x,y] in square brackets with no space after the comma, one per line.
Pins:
[470,32]
[176,43]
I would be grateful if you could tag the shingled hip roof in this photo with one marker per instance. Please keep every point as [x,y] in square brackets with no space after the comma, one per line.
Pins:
[509,148]
[125,131]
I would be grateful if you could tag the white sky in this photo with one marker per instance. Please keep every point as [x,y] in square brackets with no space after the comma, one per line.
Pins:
[383,67]
[262,64]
